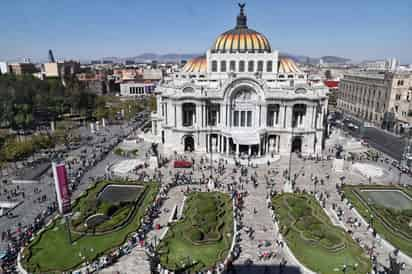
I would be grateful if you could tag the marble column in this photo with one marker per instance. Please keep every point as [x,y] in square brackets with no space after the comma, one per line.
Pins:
[218,143]
[278,143]
[227,145]
[207,143]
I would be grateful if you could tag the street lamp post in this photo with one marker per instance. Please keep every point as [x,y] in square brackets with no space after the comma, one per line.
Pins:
[345,267]
[210,145]
[405,151]
[290,156]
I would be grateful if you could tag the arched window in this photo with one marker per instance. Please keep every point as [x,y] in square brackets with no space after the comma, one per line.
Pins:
[232,66]
[241,66]
[269,66]
[214,66]
[298,114]
[251,66]
[260,66]
[222,66]
[188,114]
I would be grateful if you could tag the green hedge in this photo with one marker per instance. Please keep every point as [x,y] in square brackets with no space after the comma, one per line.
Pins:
[312,237]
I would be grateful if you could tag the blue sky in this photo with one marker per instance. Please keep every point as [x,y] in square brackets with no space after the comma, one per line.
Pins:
[358,29]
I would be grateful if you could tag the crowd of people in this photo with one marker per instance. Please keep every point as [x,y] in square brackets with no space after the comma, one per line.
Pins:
[92,153]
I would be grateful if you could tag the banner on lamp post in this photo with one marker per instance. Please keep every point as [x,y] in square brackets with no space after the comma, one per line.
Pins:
[61,184]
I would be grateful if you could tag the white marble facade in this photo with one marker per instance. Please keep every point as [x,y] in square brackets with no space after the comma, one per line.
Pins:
[241,99]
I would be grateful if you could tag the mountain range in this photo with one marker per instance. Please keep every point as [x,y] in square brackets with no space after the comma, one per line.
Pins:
[176,57]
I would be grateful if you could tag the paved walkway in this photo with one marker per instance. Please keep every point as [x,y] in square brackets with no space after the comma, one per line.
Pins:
[258,216]
[137,260]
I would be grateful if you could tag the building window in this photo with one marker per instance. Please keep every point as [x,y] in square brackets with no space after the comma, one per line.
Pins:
[232,66]
[400,82]
[236,118]
[213,111]
[249,118]
[214,66]
[242,118]
[272,115]
[189,114]
[269,66]
[241,66]
[251,66]
[260,66]
[397,97]
[222,66]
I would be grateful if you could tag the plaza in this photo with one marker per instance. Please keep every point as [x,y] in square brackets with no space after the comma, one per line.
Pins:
[259,243]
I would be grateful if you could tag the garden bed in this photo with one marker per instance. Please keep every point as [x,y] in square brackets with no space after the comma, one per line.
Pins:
[392,220]
[203,237]
[51,251]
[313,239]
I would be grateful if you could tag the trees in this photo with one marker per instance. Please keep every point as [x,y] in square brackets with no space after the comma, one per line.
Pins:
[23,117]
[328,74]
[23,97]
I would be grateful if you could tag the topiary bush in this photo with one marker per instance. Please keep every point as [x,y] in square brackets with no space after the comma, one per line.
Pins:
[195,235]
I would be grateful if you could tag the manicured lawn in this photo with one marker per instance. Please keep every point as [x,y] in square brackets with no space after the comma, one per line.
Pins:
[51,251]
[313,239]
[112,204]
[126,153]
[389,223]
[204,235]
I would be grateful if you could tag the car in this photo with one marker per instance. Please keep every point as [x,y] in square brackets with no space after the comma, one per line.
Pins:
[182,164]
[364,142]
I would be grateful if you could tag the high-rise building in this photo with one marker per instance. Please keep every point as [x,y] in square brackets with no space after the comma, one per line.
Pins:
[61,69]
[4,68]
[51,56]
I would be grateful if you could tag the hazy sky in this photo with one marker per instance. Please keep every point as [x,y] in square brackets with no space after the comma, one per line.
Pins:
[357,29]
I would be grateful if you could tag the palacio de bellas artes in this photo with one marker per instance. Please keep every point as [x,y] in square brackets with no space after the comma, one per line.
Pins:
[240,101]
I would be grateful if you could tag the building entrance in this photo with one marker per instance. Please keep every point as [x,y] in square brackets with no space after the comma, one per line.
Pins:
[297,144]
[189,143]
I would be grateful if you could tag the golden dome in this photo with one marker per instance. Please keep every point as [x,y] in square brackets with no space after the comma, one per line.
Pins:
[196,65]
[287,65]
[241,38]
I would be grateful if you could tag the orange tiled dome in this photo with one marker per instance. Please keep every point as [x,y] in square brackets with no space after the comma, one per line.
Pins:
[196,65]
[287,65]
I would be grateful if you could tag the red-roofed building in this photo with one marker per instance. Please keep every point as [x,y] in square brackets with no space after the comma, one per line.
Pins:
[333,87]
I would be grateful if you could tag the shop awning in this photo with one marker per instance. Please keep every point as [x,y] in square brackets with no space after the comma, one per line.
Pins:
[245,137]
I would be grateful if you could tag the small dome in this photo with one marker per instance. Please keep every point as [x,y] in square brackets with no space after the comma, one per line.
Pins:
[196,65]
[241,38]
[287,65]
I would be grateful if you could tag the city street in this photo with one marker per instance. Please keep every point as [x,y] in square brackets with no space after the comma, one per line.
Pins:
[38,198]
[386,142]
